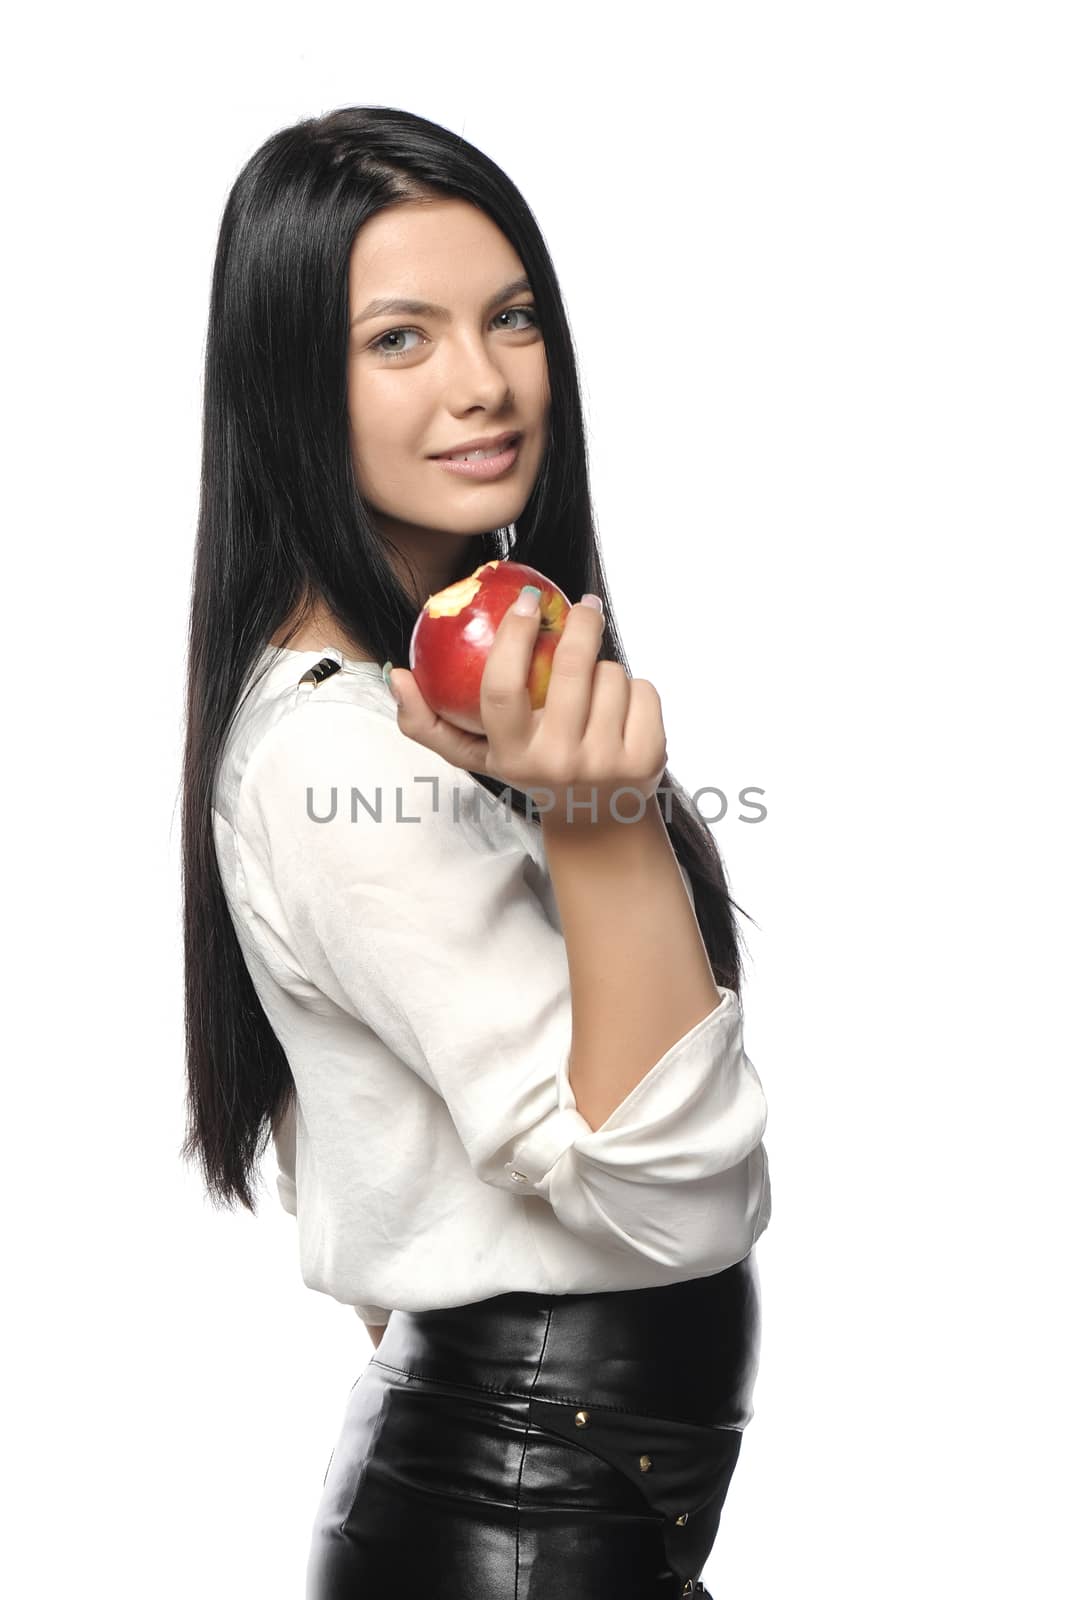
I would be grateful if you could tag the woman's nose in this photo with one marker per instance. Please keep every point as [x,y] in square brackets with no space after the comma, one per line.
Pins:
[475,376]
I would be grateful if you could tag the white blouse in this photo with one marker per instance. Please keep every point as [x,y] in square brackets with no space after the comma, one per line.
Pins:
[402,934]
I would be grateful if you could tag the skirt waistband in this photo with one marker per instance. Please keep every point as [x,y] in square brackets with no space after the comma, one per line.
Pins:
[684,1351]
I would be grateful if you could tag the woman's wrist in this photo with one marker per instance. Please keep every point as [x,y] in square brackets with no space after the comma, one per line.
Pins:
[580,807]
[628,845]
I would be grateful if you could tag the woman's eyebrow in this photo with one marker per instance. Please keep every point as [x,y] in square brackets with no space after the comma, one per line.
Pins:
[424,308]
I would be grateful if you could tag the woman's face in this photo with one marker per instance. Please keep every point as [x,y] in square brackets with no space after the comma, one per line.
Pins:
[422,382]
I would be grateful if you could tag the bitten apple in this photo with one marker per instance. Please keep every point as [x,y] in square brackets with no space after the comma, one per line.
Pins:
[455,630]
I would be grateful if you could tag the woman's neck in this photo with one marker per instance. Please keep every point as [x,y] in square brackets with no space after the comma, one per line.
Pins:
[318,630]
[436,562]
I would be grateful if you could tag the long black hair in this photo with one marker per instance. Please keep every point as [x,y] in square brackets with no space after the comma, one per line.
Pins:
[282,525]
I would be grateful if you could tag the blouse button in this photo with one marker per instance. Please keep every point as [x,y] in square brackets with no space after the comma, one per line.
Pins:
[519,1177]
[645,1463]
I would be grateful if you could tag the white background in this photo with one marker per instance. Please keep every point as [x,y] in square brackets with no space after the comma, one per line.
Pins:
[813,257]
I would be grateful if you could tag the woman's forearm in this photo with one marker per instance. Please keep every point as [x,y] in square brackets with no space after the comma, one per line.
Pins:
[639,974]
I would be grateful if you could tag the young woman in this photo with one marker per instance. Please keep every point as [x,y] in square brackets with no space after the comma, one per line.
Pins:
[498,1046]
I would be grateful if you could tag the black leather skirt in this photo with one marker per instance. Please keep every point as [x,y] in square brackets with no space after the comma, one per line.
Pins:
[542,1447]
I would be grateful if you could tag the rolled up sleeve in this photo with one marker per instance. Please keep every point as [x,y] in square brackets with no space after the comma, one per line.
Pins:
[677,1171]
[424,923]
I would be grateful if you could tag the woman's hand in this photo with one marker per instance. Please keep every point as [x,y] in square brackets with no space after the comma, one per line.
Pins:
[598,732]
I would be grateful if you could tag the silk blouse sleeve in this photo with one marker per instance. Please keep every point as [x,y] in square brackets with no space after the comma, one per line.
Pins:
[420,919]
[283,1134]
[284,1139]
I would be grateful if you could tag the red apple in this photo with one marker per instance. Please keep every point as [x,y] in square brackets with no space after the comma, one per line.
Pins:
[455,630]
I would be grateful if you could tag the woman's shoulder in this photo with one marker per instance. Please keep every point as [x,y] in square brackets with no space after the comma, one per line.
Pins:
[333,728]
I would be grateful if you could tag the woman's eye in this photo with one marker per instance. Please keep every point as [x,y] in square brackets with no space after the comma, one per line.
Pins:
[396,333]
[529,311]
[393,333]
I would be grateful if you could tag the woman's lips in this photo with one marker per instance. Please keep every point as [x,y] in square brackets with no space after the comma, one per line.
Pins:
[484,466]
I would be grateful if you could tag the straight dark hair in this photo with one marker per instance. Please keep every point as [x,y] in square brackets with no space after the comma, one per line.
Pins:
[282,524]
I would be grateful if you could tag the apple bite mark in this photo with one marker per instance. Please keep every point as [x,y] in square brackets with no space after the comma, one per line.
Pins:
[448,602]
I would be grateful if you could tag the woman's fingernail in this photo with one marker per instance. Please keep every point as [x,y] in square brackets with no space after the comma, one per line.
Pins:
[528,602]
[386,673]
[592,600]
